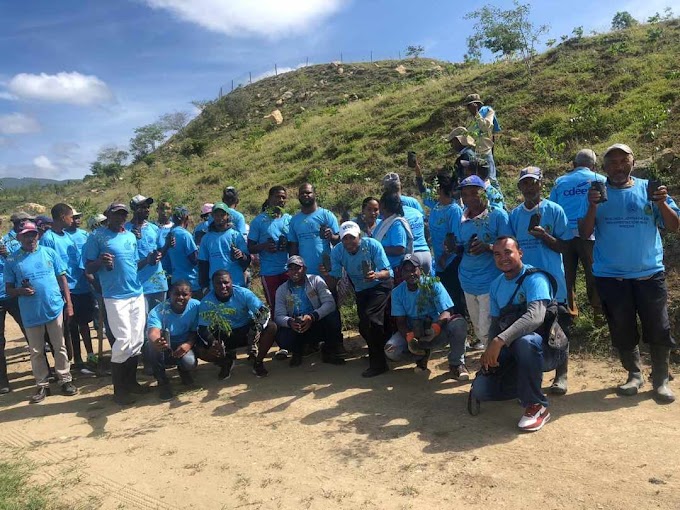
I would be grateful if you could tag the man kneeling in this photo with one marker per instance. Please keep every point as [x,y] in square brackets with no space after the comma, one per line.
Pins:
[171,330]
[231,317]
[422,309]
[306,313]
[514,362]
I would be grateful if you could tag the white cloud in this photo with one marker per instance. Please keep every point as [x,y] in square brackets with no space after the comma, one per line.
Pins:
[18,124]
[238,18]
[7,96]
[72,88]
[44,163]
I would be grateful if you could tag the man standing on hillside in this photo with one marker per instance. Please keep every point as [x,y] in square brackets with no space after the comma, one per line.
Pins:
[164,225]
[482,129]
[628,267]
[230,197]
[313,231]
[571,192]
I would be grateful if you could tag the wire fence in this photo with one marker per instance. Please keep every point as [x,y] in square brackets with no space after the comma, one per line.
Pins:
[278,68]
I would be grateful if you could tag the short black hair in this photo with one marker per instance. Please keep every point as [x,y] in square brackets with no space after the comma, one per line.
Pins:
[392,202]
[59,210]
[178,284]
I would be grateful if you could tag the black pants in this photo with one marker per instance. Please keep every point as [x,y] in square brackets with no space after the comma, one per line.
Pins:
[11,306]
[327,330]
[371,304]
[623,300]
[451,282]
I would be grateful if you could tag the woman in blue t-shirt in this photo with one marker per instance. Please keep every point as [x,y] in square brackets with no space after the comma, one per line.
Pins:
[369,219]
[394,233]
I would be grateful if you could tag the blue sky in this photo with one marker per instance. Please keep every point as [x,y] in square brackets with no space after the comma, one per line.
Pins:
[77,75]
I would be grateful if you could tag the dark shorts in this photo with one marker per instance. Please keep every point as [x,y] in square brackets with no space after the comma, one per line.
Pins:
[83,307]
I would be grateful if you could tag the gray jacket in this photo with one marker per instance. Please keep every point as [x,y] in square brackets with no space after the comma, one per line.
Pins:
[318,293]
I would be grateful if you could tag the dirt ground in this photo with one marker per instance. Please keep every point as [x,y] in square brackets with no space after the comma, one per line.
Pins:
[322,437]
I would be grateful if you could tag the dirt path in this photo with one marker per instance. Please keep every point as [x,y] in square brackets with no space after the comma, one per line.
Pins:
[321,437]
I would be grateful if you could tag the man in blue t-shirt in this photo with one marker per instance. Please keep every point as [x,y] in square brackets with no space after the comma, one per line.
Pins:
[571,192]
[423,311]
[111,252]
[202,228]
[230,197]
[516,357]
[152,276]
[628,266]
[483,129]
[171,329]
[313,231]
[184,252]
[231,317]
[36,275]
[164,224]
[365,262]
[222,247]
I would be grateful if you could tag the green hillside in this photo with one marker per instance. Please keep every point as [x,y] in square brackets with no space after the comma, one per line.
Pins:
[346,125]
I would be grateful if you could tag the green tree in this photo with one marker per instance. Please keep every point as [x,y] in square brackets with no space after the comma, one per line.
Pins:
[146,139]
[577,32]
[505,33]
[623,19]
[414,51]
[174,121]
[110,162]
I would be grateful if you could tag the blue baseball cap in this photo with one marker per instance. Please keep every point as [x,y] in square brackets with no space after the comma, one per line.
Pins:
[473,180]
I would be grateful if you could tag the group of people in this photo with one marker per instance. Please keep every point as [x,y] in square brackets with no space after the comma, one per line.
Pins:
[418,278]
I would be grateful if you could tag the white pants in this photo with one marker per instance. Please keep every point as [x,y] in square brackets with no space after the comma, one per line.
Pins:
[126,319]
[478,308]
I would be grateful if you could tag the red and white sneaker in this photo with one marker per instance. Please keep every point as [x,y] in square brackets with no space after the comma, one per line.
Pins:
[534,417]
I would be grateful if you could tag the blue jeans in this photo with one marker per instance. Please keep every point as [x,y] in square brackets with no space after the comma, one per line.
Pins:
[492,168]
[520,372]
[160,360]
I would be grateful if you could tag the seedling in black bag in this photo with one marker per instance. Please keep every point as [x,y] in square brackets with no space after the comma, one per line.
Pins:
[282,243]
[326,261]
[534,221]
[411,159]
[450,242]
[652,186]
[600,186]
[366,268]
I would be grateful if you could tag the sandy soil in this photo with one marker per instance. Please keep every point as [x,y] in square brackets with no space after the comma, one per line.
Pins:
[321,437]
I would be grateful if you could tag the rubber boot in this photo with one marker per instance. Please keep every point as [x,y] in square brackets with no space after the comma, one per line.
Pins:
[660,359]
[121,394]
[631,362]
[131,377]
[559,384]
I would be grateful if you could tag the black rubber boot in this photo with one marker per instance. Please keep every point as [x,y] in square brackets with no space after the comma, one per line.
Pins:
[660,376]
[121,395]
[559,384]
[131,377]
[631,362]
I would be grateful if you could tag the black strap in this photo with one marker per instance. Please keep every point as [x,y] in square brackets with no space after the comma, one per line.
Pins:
[528,272]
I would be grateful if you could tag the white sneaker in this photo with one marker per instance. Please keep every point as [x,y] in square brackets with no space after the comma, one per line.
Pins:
[534,417]
[281,354]
[478,346]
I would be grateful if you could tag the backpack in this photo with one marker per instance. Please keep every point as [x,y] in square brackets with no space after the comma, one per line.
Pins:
[550,330]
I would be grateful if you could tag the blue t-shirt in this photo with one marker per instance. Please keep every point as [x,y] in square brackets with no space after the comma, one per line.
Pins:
[495,197]
[304,230]
[12,246]
[41,268]
[182,268]
[68,251]
[536,252]
[416,221]
[180,325]
[627,240]
[535,287]
[151,276]
[238,221]
[407,201]
[9,237]
[163,232]
[80,236]
[369,250]
[263,228]
[396,235]
[362,225]
[122,282]
[405,303]
[476,272]
[201,228]
[216,250]
[239,310]
[440,221]
[571,192]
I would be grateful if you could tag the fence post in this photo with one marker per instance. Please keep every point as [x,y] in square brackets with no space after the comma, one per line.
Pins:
[276,71]
[250,77]
[371,56]
[307,62]
[232,85]
[341,57]
[220,92]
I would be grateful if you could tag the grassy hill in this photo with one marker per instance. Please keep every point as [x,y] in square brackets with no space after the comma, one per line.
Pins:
[346,125]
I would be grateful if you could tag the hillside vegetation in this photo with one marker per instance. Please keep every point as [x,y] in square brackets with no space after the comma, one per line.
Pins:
[346,125]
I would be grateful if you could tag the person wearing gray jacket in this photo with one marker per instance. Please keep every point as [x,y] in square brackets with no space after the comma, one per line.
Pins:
[306,313]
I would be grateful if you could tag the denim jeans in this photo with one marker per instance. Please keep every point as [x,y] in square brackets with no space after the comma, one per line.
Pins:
[453,334]
[160,360]
[520,372]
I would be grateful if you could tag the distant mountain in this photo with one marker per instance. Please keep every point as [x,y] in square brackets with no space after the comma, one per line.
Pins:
[24,182]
